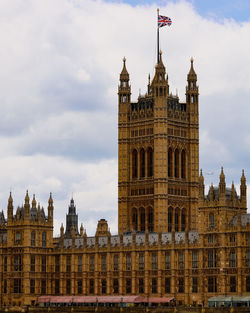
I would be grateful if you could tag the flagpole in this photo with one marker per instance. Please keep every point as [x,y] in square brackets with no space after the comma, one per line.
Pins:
[157,37]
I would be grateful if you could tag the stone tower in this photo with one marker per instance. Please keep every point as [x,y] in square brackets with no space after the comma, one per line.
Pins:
[158,183]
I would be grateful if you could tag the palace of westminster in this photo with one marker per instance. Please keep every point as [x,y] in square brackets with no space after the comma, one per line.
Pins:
[173,239]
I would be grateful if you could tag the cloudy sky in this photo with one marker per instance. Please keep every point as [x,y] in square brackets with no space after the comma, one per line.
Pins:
[59,68]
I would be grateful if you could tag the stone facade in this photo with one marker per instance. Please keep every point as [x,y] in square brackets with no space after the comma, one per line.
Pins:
[173,240]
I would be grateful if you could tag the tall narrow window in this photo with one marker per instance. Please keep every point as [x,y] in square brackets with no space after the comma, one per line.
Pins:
[211,258]
[128,285]
[116,285]
[91,263]
[43,287]
[211,220]
[167,261]
[128,262]
[104,286]
[142,217]
[195,284]
[103,263]
[181,284]
[170,214]
[79,263]
[68,286]
[150,162]
[154,261]
[135,219]
[142,163]
[79,287]
[167,284]
[170,162]
[183,164]
[32,286]
[154,285]
[232,284]
[33,239]
[176,219]
[68,264]
[183,220]
[57,263]
[150,219]
[194,259]
[5,263]
[44,264]
[91,286]
[176,163]
[134,163]
[57,286]
[116,262]
[32,263]
[212,284]
[232,259]
[141,285]
[141,261]
[43,239]
[181,260]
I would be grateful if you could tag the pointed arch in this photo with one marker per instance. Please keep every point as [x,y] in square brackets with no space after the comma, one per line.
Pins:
[183,164]
[150,219]
[170,162]
[170,217]
[150,162]
[134,219]
[176,163]
[142,163]
[134,163]
[142,219]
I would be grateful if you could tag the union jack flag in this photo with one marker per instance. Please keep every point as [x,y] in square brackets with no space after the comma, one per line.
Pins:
[164,20]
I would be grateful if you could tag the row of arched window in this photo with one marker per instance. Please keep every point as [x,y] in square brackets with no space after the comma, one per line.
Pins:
[176,219]
[143,219]
[142,163]
[176,163]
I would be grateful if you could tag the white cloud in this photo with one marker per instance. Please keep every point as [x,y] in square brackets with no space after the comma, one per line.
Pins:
[60,63]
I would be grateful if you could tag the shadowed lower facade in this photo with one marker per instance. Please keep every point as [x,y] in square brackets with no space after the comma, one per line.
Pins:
[173,239]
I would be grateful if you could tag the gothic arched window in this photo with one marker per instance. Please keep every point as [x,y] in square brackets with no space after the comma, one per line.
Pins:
[176,163]
[142,163]
[142,219]
[170,162]
[211,220]
[183,220]
[183,164]
[33,239]
[134,219]
[170,214]
[134,163]
[150,219]
[150,162]
[176,220]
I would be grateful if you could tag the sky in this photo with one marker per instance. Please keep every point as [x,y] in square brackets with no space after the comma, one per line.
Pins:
[59,71]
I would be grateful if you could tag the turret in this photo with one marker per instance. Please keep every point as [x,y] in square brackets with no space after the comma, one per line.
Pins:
[81,230]
[159,85]
[50,208]
[192,90]
[27,206]
[33,204]
[124,90]
[243,191]
[10,208]
[201,186]
[222,185]
[61,231]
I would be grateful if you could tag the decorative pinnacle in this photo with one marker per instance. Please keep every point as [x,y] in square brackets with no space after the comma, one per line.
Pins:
[192,59]
[124,59]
